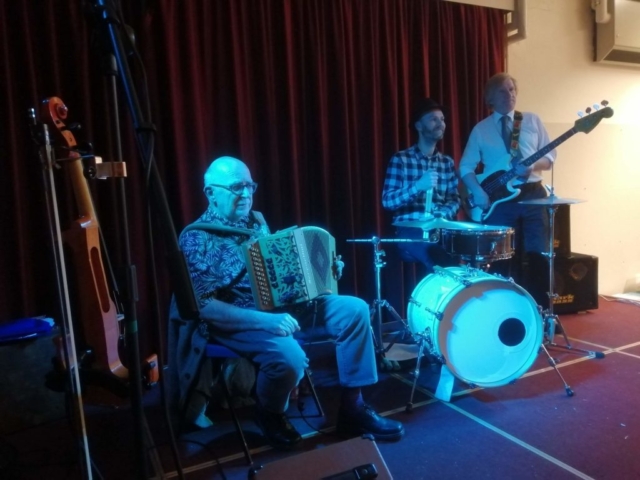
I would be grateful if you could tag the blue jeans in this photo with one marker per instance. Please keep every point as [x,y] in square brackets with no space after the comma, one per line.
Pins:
[281,360]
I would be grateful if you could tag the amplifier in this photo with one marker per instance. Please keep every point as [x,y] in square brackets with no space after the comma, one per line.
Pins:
[291,266]
[575,282]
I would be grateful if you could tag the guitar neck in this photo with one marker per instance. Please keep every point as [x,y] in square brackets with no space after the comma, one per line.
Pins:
[510,174]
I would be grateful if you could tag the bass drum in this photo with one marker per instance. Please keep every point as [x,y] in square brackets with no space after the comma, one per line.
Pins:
[487,330]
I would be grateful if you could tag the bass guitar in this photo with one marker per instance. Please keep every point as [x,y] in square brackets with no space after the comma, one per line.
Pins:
[498,184]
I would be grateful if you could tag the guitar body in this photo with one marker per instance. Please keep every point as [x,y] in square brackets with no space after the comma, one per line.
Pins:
[498,183]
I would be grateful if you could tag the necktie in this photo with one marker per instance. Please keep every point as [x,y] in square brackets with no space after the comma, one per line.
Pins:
[506,132]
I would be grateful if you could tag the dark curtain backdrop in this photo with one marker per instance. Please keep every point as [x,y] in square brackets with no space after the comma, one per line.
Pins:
[314,95]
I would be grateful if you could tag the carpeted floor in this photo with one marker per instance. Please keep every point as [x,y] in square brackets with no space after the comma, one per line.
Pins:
[526,428]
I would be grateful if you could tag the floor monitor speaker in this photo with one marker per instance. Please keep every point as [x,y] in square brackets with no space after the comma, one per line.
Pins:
[358,458]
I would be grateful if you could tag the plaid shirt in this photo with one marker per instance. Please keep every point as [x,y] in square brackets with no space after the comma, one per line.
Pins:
[400,194]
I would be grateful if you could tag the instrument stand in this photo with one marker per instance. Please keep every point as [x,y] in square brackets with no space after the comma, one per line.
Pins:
[376,313]
[73,389]
[424,339]
[375,309]
[115,37]
[550,319]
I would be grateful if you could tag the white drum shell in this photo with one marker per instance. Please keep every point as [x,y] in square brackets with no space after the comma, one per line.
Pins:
[490,330]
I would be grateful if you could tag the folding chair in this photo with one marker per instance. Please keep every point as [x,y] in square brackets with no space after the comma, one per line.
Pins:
[215,350]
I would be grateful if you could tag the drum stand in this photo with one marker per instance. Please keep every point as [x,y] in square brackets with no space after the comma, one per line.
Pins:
[378,303]
[549,319]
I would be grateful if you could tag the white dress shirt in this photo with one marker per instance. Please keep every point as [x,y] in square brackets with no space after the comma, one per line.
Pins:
[485,144]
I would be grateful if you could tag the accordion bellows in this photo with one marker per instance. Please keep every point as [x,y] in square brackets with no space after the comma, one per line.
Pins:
[291,266]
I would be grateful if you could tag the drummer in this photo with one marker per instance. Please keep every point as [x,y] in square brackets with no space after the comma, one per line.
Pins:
[421,183]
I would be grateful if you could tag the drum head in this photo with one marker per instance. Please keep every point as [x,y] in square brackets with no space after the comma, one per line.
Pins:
[490,332]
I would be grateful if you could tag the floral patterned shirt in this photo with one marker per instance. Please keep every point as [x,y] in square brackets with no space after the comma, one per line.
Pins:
[215,259]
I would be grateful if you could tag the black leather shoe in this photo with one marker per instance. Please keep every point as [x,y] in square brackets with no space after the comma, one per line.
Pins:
[366,420]
[280,433]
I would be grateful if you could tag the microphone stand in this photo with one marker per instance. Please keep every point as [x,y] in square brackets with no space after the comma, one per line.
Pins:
[110,25]
[130,290]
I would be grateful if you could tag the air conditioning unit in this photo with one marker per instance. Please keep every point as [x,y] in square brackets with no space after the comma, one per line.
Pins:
[617,31]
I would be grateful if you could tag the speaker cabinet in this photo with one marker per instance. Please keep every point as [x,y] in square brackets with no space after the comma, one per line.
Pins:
[358,458]
[25,401]
[575,282]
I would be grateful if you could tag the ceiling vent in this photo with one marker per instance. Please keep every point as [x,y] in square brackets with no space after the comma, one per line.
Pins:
[617,31]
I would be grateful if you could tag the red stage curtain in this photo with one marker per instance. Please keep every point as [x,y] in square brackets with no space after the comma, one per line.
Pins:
[314,95]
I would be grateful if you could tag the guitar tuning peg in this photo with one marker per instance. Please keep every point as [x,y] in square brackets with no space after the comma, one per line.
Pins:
[581,114]
[588,110]
[604,103]
[596,107]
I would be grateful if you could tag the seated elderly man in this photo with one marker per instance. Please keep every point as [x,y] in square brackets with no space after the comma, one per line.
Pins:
[228,315]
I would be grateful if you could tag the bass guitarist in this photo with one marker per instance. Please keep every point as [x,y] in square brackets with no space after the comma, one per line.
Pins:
[499,142]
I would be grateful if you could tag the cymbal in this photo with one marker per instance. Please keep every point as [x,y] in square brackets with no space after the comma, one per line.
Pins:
[551,200]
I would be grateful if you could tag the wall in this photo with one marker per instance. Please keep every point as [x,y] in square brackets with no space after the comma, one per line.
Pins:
[557,78]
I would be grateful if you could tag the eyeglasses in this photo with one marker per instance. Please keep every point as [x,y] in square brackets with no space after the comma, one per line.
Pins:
[238,188]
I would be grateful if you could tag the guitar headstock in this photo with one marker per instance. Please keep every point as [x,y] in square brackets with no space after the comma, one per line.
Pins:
[590,121]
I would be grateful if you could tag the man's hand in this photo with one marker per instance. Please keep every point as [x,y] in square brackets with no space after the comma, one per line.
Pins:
[281,324]
[522,171]
[481,199]
[427,181]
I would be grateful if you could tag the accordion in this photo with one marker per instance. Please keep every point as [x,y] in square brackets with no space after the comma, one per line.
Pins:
[291,266]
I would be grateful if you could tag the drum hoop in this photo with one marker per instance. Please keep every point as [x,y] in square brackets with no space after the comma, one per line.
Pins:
[442,306]
[479,232]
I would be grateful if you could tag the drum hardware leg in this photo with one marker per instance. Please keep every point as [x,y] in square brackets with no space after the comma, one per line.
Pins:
[402,334]
[416,374]
[550,319]
[424,340]
[554,364]
[375,310]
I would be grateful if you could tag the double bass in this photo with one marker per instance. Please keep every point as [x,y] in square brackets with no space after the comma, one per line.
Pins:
[98,318]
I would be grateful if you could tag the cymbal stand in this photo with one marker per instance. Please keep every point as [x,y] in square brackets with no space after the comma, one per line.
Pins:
[550,319]
[378,303]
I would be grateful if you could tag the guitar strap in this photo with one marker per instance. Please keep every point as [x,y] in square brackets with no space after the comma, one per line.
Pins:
[515,135]
[516,156]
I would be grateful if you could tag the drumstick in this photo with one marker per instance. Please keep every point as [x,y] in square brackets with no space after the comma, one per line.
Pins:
[428,201]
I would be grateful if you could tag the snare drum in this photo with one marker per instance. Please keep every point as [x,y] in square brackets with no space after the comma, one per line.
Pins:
[486,329]
[482,243]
